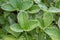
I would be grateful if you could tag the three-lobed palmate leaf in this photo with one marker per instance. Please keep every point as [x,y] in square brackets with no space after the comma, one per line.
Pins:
[23,20]
[17,5]
[53,32]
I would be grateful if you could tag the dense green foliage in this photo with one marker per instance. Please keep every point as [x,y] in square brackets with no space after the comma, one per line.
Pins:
[29,19]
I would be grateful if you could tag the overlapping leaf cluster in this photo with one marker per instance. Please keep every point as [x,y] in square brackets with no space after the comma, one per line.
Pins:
[29,19]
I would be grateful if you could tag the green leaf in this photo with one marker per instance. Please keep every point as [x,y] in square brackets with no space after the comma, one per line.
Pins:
[53,32]
[41,35]
[25,5]
[25,24]
[17,5]
[23,20]
[21,38]
[7,7]
[2,33]
[16,34]
[48,18]
[43,7]
[24,37]
[32,25]
[9,37]
[2,2]
[34,9]
[41,23]
[6,14]
[59,22]
[57,4]
[2,20]
[57,1]
[16,28]
[11,21]
[53,10]
[37,1]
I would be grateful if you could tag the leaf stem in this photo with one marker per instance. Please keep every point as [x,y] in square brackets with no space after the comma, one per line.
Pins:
[26,35]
